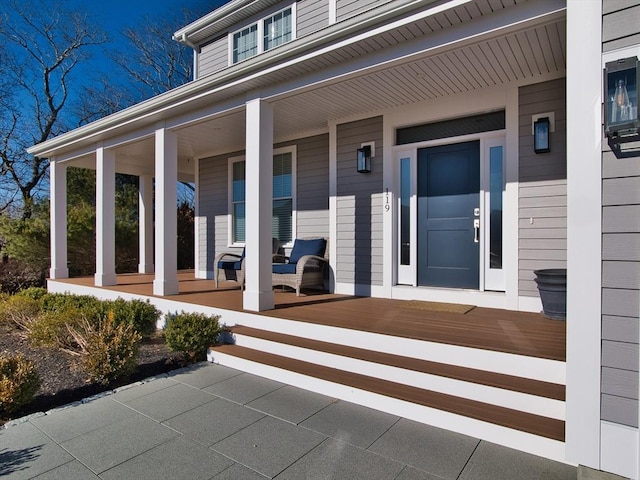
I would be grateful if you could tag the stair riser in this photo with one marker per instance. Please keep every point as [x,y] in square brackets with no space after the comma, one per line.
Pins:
[505,398]
[509,364]
[523,441]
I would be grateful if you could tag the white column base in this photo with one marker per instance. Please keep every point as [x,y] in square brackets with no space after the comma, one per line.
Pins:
[165,287]
[58,273]
[145,268]
[258,301]
[104,279]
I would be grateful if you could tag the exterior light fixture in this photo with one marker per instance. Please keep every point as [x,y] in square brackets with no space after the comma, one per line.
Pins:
[363,159]
[541,135]
[621,99]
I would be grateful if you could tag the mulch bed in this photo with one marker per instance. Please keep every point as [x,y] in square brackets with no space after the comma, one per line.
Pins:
[64,381]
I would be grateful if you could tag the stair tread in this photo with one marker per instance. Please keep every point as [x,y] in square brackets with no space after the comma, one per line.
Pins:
[509,382]
[522,421]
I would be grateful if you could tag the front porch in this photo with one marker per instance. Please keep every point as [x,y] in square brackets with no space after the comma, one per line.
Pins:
[494,374]
[518,333]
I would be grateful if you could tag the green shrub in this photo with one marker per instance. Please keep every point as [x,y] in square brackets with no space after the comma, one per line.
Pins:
[87,305]
[20,311]
[142,315]
[35,293]
[19,382]
[110,351]
[192,334]
[53,328]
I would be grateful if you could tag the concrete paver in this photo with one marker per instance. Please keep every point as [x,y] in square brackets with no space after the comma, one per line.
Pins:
[215,422]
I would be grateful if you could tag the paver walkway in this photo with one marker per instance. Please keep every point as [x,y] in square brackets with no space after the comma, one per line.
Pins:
[213,422]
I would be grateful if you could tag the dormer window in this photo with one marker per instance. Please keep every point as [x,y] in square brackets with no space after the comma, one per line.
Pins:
[274,30]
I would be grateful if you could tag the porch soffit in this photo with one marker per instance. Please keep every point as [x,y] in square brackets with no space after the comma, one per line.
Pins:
[414,62]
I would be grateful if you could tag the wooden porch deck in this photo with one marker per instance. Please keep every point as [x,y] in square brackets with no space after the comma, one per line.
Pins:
[519,333]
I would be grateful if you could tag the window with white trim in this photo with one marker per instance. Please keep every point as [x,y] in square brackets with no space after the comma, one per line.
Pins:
[264,35]
[284,162]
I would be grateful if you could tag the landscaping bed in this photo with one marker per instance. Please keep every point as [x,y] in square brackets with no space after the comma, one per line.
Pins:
[63,379]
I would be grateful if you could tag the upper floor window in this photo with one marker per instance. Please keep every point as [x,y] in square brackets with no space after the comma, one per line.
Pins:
[273,31]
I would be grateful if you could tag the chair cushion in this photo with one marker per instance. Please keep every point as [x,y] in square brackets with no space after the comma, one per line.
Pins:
[285,268]
[315,247]
[231,265]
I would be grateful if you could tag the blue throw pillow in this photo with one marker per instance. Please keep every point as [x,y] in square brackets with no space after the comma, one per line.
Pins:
[315,247]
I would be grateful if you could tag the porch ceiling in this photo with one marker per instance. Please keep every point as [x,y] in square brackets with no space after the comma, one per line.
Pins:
[481,44]
[520,56]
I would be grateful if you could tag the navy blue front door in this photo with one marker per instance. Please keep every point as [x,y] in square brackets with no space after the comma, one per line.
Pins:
[448,196]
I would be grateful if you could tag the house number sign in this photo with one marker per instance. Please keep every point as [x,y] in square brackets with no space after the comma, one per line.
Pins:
[387,207]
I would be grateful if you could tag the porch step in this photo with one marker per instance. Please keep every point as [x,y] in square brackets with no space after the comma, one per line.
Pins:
[512,419]
[247,336]
[523,412]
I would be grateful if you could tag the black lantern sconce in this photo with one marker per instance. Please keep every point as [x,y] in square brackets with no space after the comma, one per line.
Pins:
[363,159]
[621,122]
[541,128]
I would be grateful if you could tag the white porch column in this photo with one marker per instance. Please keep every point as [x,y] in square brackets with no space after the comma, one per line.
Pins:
[166,254]
[105,217]
[145,223]
[258,294]
[584,233]
[58,215]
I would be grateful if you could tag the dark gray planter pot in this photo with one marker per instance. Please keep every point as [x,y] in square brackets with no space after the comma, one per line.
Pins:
[552,285]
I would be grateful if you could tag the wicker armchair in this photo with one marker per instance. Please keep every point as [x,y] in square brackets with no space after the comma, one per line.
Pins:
[305,267]
[230,266]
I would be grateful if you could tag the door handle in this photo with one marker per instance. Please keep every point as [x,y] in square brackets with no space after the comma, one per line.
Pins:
[476,230]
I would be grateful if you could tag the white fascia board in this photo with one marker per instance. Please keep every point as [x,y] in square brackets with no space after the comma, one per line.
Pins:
[218,14]
[240,73]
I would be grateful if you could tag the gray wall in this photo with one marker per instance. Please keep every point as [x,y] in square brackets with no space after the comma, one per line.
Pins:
[359,236]
[349,8]
[312,196]
[620,245]
[542,207]
[213,205]
[312,15]
[213,56]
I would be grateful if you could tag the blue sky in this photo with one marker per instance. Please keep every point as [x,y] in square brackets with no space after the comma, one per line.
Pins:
[114,15]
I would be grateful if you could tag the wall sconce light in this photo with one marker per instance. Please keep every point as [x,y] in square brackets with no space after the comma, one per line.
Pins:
[541,135]
[621,97]
[363,159]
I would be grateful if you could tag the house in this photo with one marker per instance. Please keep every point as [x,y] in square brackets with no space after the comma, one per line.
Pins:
[457,205]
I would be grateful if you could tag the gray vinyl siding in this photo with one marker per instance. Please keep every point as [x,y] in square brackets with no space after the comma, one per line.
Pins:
[542,203]
[620,24]
[213,202]
[359,206]
[312,15]
[620,245]
[213,56]
[349,8]
[620,286]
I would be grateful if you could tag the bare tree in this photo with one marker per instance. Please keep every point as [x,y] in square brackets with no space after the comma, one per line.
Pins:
[153,61]
[44,44]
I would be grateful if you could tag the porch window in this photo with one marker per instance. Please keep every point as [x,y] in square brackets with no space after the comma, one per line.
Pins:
[263,35]
[283,197]
[238,201]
